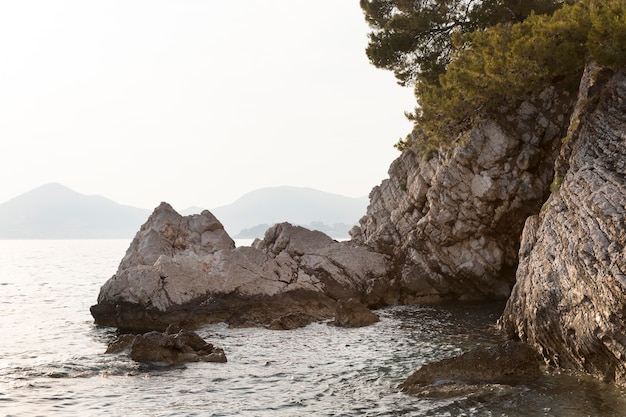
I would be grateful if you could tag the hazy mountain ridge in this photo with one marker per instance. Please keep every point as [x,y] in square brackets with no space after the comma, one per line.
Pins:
[297,205]
[337,230]
[54,211]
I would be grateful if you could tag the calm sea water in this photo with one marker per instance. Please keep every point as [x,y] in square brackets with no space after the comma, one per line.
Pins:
[52,361]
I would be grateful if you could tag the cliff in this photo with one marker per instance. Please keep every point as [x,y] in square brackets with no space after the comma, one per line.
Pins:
[552,171]
[451,224]
[569,300]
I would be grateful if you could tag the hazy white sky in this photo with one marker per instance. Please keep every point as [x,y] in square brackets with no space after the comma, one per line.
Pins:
[193,102]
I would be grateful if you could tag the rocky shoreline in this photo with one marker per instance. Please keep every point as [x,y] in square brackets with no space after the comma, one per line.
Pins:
[186,270]
[552,171]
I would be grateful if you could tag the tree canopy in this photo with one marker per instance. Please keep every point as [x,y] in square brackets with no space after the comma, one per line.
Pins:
[413,38]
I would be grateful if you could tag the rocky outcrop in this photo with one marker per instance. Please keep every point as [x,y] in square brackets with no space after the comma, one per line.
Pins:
[452,223]
[186,270]
[505,364]
[174,346]
[569,300]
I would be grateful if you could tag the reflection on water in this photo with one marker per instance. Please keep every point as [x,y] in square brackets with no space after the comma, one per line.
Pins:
[51,360]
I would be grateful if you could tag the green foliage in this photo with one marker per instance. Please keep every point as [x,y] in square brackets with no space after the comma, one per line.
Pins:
[607,37]
[405,143]
[430,153]
[495,68]
[413,38]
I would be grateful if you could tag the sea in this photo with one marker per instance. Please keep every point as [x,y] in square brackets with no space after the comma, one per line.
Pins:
[52,360]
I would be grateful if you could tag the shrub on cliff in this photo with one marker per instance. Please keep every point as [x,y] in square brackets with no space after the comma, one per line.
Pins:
[494,68]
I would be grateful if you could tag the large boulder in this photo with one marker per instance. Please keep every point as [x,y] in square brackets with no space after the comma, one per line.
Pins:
[569,300]
[187,270]
[452,223]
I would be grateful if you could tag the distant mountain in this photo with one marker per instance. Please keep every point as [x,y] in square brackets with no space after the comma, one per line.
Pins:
[54,211]
[302,206]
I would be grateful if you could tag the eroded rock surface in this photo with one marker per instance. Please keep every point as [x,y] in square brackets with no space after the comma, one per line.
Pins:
[187,270]
[569,301]
[452,223]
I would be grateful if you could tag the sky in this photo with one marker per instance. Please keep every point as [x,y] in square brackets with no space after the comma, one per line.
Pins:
[193,102]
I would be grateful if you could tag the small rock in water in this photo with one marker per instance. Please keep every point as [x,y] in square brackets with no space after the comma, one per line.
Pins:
[174,346]
[291,321]
[121,344]
[352,313]
[491,367]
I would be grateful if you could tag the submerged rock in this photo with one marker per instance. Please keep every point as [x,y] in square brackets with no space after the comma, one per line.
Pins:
[352,313]
[505,364]
[168,347]
[291,321]
[187,270]
[569,300]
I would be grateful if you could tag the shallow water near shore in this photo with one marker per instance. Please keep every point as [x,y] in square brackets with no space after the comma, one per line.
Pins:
[52,361]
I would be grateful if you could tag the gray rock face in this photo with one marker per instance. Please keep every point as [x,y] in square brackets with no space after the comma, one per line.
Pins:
[187,270]
[452,223]
[168,233]
[569,300]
